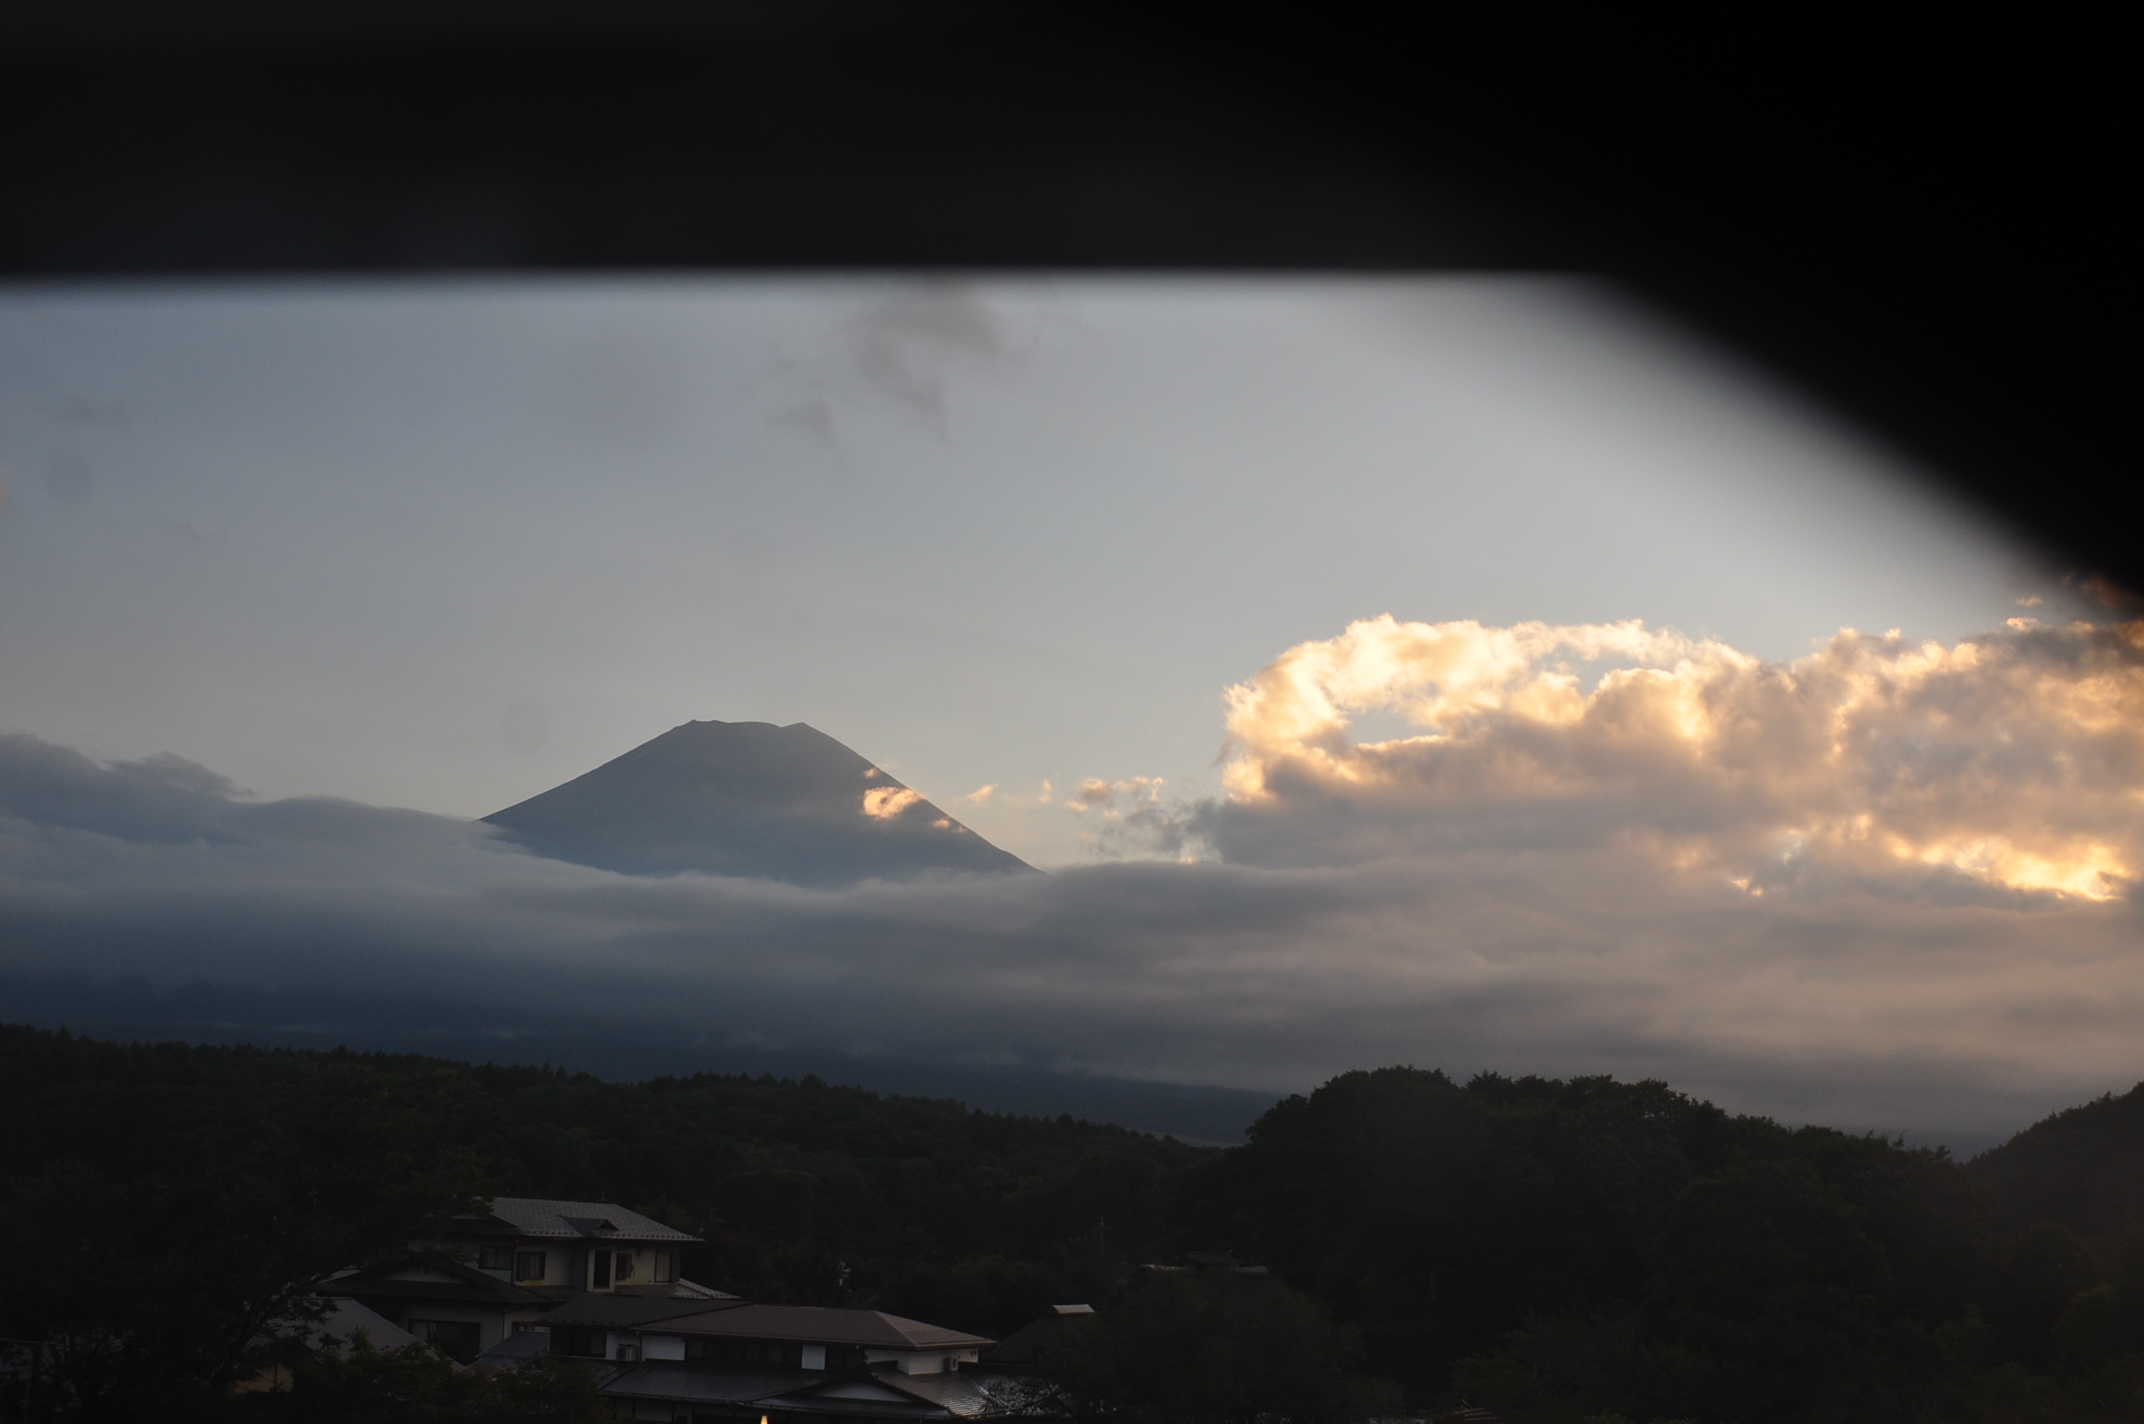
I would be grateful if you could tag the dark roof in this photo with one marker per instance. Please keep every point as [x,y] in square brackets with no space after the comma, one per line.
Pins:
[777,1392]
[806,1324]
[631,1312]
[462,1284]
[667,1379]
[540,1217]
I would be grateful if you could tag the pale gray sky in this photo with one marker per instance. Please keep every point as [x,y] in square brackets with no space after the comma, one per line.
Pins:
[444,545]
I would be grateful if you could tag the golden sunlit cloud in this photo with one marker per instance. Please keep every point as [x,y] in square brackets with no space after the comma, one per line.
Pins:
[886,803]
[980,795]
[2013,759]
[1114,799]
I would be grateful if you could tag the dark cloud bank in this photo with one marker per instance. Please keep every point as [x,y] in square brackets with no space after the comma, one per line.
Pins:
[1567,897]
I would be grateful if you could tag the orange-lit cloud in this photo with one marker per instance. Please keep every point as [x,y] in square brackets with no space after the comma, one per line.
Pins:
[1114,799]
[2013,761]
[886,803]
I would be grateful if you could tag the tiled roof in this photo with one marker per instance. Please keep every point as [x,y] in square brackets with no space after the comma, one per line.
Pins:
[569,1220]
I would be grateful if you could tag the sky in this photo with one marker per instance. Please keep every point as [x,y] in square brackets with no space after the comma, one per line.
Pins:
[1477,672]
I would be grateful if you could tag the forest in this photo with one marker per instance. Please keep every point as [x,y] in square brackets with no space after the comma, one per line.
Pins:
[1549,1250]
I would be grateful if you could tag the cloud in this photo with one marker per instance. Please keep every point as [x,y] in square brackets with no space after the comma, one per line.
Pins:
[1553,869]
[162,798]
[1130,819]
[2007,763]
[1113,799]
[886,803]
[903,349]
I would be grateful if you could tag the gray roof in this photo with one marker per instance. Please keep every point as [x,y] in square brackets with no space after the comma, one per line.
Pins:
[684,1290]
[806,1324]
[1019,1347]
[345,1318]
[962,1394]
[540,1217]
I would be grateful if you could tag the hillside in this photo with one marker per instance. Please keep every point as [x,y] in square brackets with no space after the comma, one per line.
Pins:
[2082,1168]
[1553,1250]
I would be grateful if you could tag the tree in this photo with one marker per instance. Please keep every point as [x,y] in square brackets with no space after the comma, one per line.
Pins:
[178,1225]
[1211,1348]
[418,1385]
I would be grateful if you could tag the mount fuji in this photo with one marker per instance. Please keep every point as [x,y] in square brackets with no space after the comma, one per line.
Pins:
[749,799]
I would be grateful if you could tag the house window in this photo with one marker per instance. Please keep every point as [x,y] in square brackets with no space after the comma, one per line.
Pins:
[599,1270]
[529,1266]
[665,1267]
[625,1266]
[494,1258]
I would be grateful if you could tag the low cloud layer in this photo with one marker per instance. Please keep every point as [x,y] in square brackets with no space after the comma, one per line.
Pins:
[1888,885]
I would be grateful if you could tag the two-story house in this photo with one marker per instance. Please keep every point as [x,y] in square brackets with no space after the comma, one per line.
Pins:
[484,1277]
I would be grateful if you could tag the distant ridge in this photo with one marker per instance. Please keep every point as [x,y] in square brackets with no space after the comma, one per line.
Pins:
[749,799]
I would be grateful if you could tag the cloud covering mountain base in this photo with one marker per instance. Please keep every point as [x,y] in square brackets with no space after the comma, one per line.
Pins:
[1884,886]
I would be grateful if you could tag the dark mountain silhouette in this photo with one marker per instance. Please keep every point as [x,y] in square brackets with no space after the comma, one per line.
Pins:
[749,799]
[2082,1168]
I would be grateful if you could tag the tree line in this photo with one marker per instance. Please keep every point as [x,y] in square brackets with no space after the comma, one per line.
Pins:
[1551,1250]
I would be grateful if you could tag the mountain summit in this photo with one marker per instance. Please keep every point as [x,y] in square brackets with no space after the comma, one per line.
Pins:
[749,799]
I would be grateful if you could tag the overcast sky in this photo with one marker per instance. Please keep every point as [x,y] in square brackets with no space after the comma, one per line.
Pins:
[1121,552]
